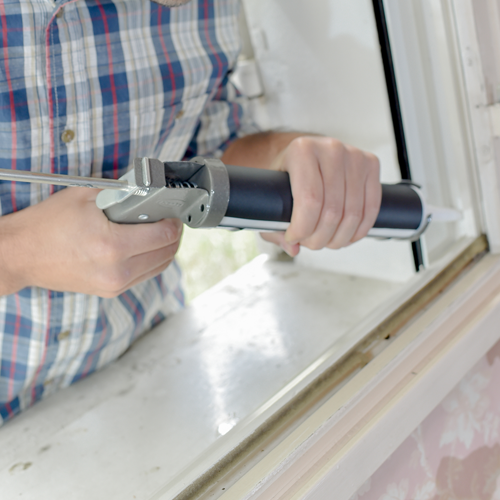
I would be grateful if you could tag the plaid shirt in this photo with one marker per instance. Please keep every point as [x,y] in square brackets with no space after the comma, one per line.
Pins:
[85,87]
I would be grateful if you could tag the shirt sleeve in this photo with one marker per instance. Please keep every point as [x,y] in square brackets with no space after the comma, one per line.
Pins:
[225,117]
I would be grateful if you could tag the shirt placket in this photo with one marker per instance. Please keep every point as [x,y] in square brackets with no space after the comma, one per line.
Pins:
[68,92]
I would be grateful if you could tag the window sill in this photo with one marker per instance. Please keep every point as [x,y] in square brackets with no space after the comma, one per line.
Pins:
[151,423]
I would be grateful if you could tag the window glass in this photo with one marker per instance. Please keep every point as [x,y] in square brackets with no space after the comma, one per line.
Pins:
[209,255]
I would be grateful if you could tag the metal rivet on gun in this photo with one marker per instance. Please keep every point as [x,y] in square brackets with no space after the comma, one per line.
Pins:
[144,216]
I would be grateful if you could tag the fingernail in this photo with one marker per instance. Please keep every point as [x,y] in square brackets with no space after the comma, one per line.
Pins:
[291,250]
[290,240]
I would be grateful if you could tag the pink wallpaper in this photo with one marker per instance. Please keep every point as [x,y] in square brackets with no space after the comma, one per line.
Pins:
[455,453]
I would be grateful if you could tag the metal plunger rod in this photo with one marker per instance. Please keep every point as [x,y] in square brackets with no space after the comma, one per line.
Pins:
[63,180]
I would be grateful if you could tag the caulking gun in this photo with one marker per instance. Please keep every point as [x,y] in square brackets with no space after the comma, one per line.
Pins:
[204,192]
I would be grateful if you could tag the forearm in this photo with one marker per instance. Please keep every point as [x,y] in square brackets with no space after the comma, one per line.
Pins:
[258,150]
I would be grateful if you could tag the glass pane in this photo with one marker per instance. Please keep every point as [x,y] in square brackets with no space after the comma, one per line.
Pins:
[209,255]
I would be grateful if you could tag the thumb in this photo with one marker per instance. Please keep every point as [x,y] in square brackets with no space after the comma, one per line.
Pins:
[278,238]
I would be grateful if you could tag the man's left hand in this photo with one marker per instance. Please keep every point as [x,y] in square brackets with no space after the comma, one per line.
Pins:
[336,193]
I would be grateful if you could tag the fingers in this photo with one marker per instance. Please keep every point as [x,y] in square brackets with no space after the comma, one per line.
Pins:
[143,264]
[355,217]
[151,274]
[373,198]
[127,254]
[306,182]
[279,239]
[137,239]
[336,192]
[332,160]
[115,280]
[128,239]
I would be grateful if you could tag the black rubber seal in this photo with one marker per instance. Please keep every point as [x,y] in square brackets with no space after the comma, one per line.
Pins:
[397,119]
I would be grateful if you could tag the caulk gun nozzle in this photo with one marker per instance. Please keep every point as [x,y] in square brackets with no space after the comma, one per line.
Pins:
[441,214]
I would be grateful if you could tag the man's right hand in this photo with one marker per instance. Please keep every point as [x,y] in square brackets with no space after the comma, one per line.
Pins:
[66,243]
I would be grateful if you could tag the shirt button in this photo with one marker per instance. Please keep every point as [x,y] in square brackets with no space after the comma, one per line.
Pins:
[179,115]
[63,335]
[67,136]
[60,13]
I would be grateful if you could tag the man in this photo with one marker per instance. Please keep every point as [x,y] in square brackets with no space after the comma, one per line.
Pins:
[86,86]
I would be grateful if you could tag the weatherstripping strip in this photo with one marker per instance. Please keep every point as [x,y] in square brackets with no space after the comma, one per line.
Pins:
[397,120]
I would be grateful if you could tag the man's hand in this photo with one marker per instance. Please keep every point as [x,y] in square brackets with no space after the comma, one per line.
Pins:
[66,243]
[335,187]
[336,194]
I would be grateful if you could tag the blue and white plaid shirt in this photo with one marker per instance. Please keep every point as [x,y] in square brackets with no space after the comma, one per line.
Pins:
[118,80]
